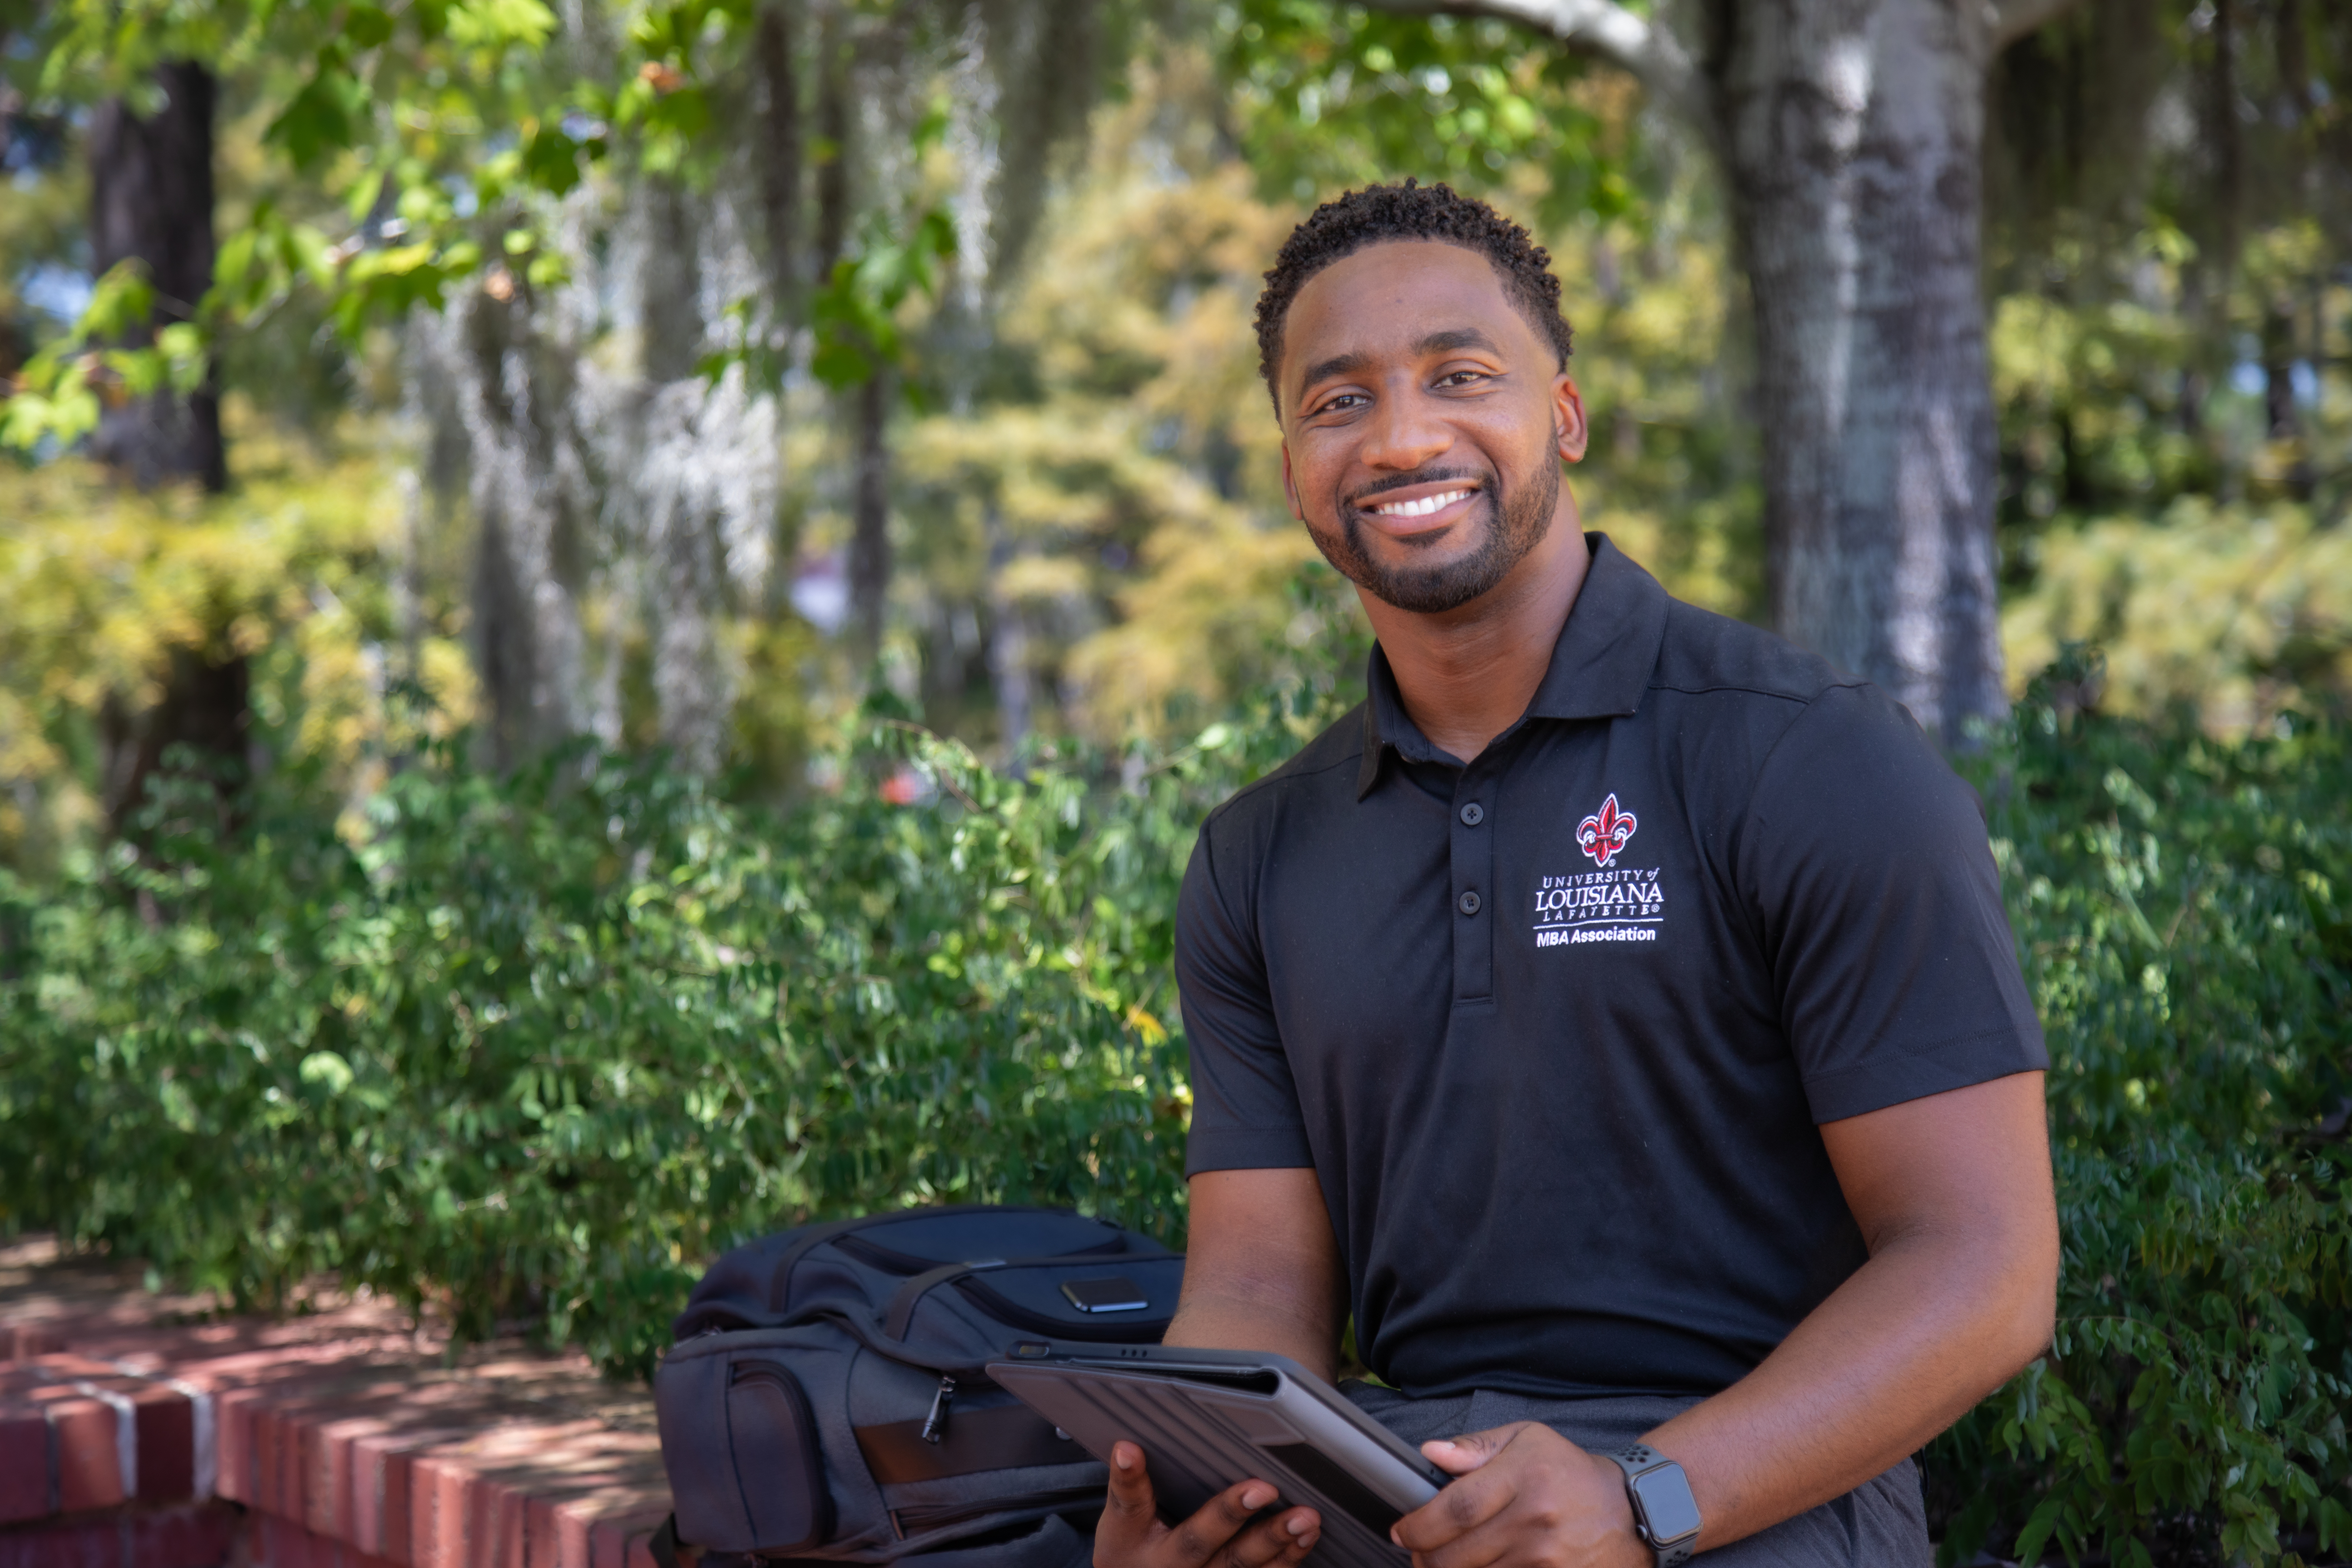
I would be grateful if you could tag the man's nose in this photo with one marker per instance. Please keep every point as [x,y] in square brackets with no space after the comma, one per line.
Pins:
[1404,434]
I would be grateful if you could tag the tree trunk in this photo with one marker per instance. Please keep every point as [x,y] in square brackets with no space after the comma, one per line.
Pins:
[151,198]
[780,154]
[831,152]
[1853,130]
[869,544]
[511,392]
[206,707]
[669,281]
[1008,640]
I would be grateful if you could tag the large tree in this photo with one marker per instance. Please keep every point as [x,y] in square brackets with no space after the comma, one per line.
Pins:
[151,202]
[1849,135]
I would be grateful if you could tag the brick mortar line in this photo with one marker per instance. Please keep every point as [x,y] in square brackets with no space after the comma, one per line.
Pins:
[126,1434]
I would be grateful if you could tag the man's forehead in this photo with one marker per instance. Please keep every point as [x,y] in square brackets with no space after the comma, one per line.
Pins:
[1398,297]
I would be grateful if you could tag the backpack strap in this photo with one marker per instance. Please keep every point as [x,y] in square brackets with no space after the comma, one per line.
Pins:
[810,1237]
[665,1547]
[816,1236]
[895,1321]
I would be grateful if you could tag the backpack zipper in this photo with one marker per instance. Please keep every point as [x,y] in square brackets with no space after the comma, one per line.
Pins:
[935,1425]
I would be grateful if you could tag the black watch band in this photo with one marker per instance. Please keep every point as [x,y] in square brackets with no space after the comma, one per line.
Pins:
[1665,1515]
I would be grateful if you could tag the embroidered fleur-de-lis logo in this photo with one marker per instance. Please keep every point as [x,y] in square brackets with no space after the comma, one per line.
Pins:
[1604,833]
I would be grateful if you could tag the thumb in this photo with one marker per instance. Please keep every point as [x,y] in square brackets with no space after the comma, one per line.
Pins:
[1128,1523]
[1460,1455]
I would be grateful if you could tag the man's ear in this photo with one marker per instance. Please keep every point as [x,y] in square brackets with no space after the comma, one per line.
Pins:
[1290,486]
[1568,412]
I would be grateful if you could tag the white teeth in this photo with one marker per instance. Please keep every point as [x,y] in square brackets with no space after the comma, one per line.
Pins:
[1422,507]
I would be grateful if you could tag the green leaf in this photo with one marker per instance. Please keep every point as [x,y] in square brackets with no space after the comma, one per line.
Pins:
[551,160]
[366,26]
[496,23]
[841,366]
[324,117]
[327,1070]
[2040,1527]
[121,302]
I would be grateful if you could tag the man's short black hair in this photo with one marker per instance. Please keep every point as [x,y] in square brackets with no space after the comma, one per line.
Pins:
[1410,211]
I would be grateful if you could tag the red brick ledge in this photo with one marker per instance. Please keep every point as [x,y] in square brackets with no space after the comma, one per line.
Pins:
[343,1438]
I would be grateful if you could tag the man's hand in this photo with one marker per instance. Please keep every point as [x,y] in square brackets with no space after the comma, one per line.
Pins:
[1529,1499]
[1131,1536]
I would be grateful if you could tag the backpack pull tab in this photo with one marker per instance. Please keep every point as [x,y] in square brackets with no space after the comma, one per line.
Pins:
[935,1425]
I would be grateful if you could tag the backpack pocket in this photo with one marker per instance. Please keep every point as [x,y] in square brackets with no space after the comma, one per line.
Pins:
[778,1464]
[744,1452]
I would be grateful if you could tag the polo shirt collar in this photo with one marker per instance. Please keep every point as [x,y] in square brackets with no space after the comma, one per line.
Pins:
[1600,667]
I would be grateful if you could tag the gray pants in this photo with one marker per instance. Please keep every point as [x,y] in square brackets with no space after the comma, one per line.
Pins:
[1879,1524]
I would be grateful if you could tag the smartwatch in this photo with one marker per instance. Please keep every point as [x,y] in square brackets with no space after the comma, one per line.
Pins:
[1665,1515]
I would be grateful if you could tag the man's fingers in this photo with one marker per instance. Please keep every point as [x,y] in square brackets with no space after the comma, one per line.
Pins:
[1301,1527]
[1130,1483]
[1132,1515]
[1460,1455]
[1489,1543]
[1213,1528]
[1277,1542]
[1461,1507]
[1131,1536]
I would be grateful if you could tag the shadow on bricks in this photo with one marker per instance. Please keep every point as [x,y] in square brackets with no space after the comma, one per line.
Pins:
[141,1431]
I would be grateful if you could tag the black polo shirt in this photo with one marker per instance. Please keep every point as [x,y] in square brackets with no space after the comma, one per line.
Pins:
[1554,1029]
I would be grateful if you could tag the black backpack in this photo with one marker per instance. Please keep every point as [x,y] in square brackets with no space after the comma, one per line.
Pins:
[826,1397]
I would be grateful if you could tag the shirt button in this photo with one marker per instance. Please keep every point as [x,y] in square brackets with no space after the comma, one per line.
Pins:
[1469,903]
[1474,814]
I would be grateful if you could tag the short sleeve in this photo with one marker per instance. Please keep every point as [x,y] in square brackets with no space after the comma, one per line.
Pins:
[1245,1112]
[1866,861]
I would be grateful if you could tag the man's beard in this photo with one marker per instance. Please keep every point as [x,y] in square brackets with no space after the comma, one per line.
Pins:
[1512,526]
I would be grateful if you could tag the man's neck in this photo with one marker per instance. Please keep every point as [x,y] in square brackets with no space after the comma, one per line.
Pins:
[1467,675]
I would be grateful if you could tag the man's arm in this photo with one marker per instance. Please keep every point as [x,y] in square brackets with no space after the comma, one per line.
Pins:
[1953,1194]
[1261,1273]
[1261,1269]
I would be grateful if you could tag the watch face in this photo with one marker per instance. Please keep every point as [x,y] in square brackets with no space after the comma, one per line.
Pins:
[1667,1506]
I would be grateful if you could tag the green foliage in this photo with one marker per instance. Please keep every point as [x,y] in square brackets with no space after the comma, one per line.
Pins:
[108,589]
[2167,241]
[1333,95]
[61,388]
[437,126]
[856,312]
[530,1049]
[536,1047]
[2237,614]
[2183,908]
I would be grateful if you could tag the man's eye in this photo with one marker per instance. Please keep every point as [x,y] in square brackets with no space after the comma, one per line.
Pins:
[1460,377]
[1341,404]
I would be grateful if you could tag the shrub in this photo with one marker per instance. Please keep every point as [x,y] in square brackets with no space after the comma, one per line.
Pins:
[534,1049]
[530,1049]
[2185,911]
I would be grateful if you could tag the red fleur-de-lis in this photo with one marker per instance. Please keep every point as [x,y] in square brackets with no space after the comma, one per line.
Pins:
[1604,833]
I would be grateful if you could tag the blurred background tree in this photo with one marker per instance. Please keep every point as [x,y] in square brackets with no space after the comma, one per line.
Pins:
[713,360]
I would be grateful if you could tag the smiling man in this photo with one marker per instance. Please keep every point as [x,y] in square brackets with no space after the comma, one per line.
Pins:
[1615,1016]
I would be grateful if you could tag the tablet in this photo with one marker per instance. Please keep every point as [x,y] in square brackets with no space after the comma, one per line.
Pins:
[1205,1419]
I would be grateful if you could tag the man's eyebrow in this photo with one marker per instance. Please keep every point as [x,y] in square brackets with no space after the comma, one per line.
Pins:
[1456,338]
[1338,364]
